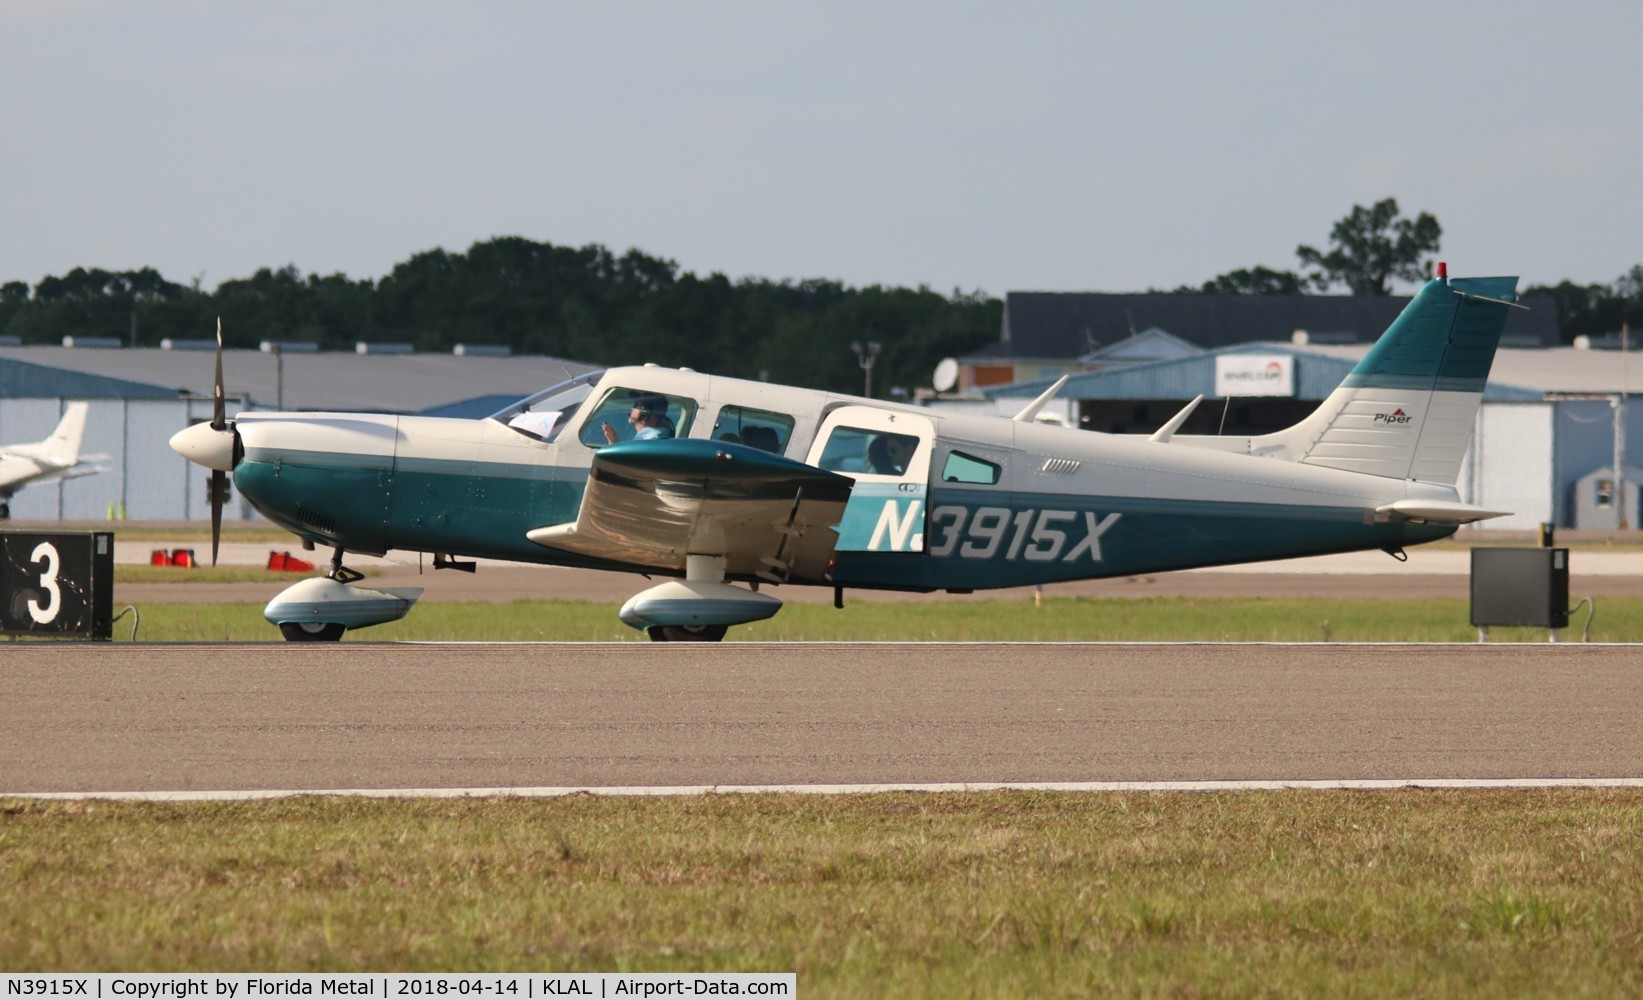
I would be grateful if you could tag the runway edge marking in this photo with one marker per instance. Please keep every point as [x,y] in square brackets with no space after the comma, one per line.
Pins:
[862,789]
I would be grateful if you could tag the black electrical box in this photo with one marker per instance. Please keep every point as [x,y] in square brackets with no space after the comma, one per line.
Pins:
[58,584]
[1520,587]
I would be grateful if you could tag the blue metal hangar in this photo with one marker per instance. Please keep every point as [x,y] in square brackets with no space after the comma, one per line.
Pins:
[1555,423]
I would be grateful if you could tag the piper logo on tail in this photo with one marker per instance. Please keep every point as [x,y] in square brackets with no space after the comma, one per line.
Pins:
[1395,417]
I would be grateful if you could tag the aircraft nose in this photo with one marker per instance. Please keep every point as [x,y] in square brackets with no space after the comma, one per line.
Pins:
[204,445]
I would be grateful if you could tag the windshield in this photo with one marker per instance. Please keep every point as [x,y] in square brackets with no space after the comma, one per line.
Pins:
[545,414]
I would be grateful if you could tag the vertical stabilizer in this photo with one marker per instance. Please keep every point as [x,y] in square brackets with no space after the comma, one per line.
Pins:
[1407,410]
[62,448]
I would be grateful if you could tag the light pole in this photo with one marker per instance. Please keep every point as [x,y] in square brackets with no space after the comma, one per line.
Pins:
[866,357]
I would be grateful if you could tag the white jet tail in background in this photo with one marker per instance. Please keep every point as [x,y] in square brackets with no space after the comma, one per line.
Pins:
[56,457]
[62,448]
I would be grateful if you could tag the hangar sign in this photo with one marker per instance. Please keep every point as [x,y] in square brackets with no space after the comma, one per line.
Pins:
[58,584]
[1254,375]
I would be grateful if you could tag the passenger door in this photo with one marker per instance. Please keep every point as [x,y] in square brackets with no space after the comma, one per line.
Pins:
[887,452]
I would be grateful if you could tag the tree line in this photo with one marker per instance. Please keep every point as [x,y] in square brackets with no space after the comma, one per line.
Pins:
[1371,246]
[584,304]
[590,304]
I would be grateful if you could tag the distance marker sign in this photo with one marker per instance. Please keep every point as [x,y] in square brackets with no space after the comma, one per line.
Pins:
[57,584]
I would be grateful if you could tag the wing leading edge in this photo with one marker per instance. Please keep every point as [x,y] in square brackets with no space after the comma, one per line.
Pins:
[650,503]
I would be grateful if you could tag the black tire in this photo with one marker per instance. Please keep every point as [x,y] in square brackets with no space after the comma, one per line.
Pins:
[691,633]
[311,631]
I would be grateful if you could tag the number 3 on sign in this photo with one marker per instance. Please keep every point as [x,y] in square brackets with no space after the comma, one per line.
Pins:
[45,614]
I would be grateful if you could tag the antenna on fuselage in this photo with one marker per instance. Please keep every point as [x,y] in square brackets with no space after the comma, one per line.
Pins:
[1030,411]
[1162,434]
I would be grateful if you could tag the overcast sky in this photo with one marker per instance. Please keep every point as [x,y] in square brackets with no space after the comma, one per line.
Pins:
[991,146]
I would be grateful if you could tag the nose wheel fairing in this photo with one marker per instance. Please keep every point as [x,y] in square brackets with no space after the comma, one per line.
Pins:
[320,608]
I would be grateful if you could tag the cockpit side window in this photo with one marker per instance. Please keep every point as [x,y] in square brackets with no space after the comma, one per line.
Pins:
[637,415]
[761,429]
[545,414]
[962,468]
[856,449]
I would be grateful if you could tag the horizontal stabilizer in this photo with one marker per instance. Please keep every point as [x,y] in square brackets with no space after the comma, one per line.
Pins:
[1438,511]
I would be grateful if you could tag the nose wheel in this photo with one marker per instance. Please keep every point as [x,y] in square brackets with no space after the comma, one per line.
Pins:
[686,633]
[330,592]
[311,631]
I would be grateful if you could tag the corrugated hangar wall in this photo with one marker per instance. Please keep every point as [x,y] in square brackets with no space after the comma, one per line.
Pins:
[1512,464]
[144,477]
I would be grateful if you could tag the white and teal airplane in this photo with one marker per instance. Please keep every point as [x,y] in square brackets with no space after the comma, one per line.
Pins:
[722,484]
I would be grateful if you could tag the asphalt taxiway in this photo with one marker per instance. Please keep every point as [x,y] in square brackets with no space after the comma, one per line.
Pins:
[354,716]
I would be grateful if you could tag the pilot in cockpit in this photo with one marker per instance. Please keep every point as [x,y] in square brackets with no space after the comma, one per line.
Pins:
[649,419]
[889,453]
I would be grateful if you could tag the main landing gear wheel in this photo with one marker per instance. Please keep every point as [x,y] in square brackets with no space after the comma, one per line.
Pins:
[687,633]
[312,631]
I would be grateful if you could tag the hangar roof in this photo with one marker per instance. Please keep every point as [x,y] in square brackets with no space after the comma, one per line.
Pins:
[1518,373]
[335,380]
[1552,371]
[1051,325]
[26,380]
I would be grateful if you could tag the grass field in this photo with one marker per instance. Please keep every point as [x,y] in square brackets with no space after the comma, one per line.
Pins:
[1410,892]
[1057,620]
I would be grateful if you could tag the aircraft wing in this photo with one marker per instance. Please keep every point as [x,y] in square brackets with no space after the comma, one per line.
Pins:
[52,475]
[651,502]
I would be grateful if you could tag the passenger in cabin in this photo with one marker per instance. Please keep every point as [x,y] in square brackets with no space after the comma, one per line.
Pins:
[888,454]
[762,438]
[649,419]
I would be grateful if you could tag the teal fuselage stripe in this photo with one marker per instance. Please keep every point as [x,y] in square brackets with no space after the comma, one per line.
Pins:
[973,538]
[1132,535]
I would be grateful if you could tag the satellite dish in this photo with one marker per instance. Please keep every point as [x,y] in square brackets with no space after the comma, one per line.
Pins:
[946,375]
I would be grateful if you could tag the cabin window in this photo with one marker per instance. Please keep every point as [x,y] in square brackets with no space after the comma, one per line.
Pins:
[1605,492]
[637,414]
[855,449]
[760,429]
[962,468]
